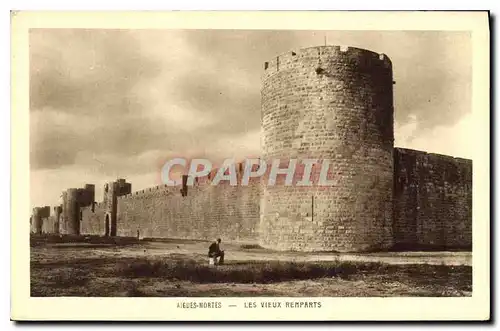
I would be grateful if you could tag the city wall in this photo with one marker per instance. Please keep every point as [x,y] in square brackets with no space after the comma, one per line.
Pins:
[432,200]
[203,212]
[432,208]
[325,102]
[93,220]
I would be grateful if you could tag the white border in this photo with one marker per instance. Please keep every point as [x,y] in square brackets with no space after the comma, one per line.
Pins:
[24,307]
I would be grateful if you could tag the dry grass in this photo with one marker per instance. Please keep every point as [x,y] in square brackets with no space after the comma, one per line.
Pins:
[251,246]
[68,240]
[243,272]
[144,277]
[137,269]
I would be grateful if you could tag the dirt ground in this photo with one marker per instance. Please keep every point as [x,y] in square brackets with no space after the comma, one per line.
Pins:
[97,269]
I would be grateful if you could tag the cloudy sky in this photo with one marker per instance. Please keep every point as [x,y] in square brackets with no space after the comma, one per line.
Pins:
[117,103]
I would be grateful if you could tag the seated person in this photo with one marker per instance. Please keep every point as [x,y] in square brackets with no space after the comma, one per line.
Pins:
[215,252]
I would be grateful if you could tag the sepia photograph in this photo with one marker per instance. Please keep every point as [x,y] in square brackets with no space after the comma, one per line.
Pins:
[278,166]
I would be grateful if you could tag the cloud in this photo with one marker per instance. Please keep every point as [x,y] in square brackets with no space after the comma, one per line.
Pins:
[448,140]
[244,146]
[95,71]
[46,185]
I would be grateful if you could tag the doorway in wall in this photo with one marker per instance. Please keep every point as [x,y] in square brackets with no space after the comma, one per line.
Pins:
[107,226]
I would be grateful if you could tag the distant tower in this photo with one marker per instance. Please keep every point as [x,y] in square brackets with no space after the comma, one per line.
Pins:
[57,217]
[88,194]
[37,221]
[333,103]
[73,200]
[112,190]
[40,214]
[71,212]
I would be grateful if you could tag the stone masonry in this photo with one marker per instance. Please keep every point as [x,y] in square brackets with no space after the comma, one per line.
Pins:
[324,103]
[432,200]
[330,103]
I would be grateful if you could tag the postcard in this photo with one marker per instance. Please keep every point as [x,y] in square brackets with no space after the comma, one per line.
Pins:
[250,166]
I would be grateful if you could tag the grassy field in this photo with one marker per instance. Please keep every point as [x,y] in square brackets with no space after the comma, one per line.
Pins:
[177,268]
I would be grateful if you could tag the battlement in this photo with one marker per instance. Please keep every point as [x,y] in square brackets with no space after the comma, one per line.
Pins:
[42,212]
[154,190]
[119,187]
[46,211]
[449,158]
[83,196]
[201,183]
[239,169]
[323,54]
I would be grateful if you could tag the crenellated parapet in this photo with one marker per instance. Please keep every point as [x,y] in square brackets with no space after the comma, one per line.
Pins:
[320,57]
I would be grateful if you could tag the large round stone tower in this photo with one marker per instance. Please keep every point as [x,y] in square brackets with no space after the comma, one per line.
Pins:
[329,103]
